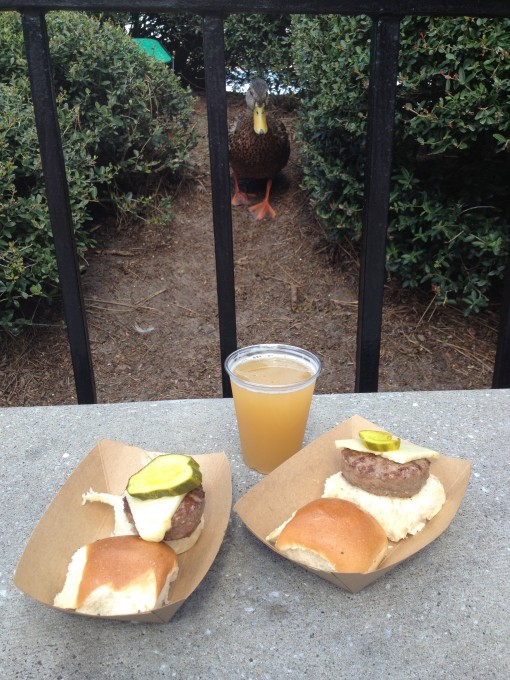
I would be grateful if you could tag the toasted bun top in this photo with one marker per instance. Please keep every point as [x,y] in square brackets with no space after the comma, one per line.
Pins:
[335,535]
[120,561]
[118,575]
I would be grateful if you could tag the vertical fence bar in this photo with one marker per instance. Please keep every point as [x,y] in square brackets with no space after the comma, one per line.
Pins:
[383,75]
[214,57]
[501,376]
[53,165]
[380,129]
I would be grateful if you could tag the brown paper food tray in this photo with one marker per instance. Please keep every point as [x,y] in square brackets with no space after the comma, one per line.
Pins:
[301,479]
[67,524]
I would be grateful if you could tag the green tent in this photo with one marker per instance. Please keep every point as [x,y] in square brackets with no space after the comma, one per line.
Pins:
[154,48]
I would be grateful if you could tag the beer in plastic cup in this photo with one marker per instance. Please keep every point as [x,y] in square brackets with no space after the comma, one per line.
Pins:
[272,386]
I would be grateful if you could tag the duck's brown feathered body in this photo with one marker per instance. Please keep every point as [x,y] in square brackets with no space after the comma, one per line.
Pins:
[259,146]
[261,156]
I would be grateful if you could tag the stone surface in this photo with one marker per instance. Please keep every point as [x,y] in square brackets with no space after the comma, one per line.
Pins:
[443,613]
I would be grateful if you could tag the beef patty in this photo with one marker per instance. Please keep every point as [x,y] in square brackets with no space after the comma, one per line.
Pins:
[188,515]
[384,477]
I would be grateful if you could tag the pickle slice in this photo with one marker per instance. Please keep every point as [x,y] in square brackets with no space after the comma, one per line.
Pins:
[170,474]
[379,441]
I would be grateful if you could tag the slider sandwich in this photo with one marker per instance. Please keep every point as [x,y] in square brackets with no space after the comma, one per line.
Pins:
[389,479]
[159,515]
[164,501]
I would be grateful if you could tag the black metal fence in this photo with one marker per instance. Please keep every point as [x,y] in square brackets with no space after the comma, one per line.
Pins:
[386,16]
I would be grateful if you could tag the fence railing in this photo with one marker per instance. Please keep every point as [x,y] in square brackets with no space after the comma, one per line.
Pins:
[386,16]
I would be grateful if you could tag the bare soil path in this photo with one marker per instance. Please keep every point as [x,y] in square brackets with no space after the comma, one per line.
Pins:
[151,301]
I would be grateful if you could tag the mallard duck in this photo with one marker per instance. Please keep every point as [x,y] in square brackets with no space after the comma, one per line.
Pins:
[259,147]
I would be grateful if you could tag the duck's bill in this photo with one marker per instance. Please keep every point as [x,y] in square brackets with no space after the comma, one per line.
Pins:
[259,119]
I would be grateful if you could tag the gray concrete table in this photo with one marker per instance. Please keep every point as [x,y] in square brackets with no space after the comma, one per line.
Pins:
[442,613]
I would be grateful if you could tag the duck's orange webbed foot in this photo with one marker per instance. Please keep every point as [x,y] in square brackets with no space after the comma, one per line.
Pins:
[239,197]
[264,209]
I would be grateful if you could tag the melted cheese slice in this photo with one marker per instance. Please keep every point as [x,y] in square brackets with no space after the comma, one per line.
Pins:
[153,518]
[405,454]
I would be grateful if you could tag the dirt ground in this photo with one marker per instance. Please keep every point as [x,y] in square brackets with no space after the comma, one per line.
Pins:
[150,294]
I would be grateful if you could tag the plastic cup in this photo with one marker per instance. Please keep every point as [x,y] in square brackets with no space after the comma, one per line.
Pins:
[272,386]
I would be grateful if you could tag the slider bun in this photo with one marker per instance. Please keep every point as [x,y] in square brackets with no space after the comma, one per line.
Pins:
[332,535]
[117,576]
[398,516]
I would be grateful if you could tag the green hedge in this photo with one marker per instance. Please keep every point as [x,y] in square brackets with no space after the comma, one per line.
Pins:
[269,56]
[449,216]
[255,45]
[125,123]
